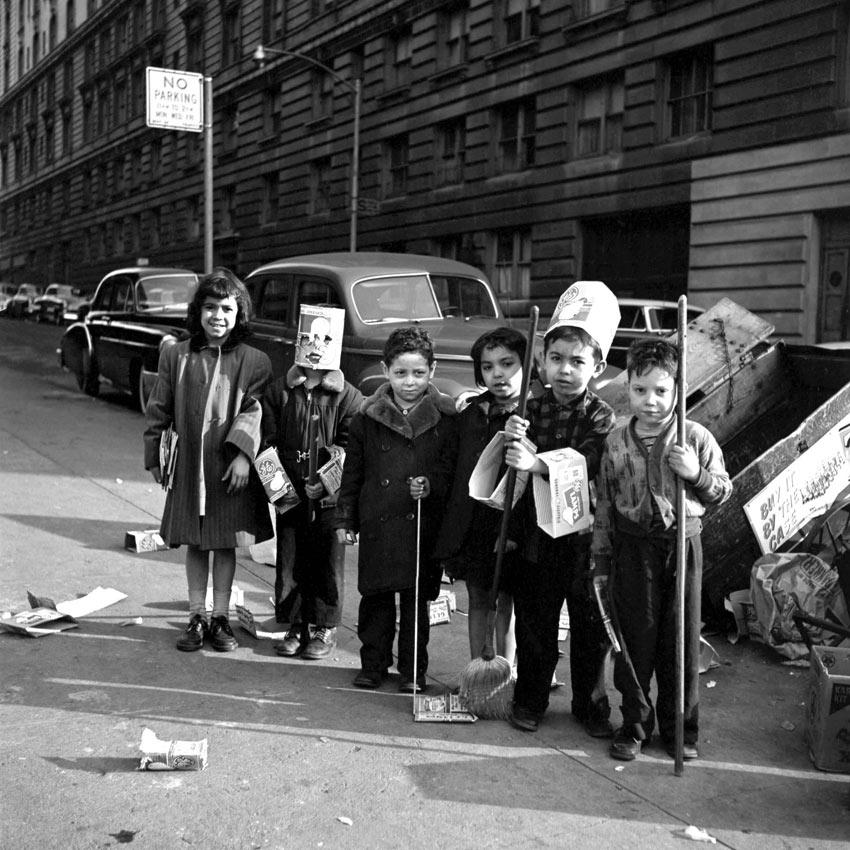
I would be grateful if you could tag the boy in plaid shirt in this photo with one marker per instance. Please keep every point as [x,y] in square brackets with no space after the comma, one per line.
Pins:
[567,415]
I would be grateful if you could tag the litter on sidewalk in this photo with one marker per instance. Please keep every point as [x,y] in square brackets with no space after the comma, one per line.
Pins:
[158,754]
[249,623]
[46,617]
[444,708]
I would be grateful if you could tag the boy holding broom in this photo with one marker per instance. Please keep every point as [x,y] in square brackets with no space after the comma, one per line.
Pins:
[566,415]
[634,547]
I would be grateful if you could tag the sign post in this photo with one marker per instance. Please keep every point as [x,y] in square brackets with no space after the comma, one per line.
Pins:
[182,100]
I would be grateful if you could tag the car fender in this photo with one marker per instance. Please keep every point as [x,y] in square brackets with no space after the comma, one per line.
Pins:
[74,342]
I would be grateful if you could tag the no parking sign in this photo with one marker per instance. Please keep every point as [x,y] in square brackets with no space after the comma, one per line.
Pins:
[175,100]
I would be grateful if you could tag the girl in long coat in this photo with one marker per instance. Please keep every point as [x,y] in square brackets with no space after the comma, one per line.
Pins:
[209,388]
[399,451]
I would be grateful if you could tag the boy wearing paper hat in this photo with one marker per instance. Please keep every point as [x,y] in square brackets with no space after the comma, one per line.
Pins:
[307,548]
[566,415]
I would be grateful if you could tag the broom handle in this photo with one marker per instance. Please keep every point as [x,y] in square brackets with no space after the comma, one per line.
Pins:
[681,541]
[510,485]
[416,607]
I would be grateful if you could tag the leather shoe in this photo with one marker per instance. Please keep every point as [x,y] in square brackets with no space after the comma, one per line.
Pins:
[408,686]
[368,679]
[523,719]
[689,751]
[624,747]
[221,635]
[192,638]
[321,645]
[294,641]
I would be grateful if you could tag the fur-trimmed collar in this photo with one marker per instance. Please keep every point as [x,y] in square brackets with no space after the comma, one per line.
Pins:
[425,415]
[332,380]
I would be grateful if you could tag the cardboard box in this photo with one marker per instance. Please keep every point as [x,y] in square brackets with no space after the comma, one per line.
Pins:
[444,708]
[157,754]
[148,540]
[330,472]
[828,719]
[439,611]
[279,489]
[38,622]
[485,484]
[563,502]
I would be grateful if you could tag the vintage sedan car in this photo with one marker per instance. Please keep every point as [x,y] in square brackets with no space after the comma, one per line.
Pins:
[379,292]
[118,336]
[58,304]
[20,305]
[7,291]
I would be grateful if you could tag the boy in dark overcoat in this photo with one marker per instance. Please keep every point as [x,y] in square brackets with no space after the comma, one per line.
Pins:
[399,452]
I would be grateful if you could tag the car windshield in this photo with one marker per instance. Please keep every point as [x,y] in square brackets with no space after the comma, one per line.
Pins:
[403,298]
[418,297]
[165,291]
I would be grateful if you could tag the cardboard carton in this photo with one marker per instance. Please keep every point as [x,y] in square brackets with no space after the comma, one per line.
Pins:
[828,717]
[485,485]
[157,754]
[563,502]
[279,489]
[439,611]
[148,540]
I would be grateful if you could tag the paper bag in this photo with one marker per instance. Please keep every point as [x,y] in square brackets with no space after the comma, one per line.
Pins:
[484,483]
[563,502]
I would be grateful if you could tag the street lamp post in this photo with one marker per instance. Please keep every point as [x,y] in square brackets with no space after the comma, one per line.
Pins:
[261,54]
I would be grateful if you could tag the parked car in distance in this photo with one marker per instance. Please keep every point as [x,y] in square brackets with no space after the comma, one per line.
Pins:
[379,292]
[7,290]
[118,335]
[59,303]
[20,305]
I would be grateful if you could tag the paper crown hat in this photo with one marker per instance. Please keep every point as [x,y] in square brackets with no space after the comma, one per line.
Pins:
[590,305]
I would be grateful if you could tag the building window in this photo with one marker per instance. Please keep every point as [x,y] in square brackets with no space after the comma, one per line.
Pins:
[88,117]
[271,112]
[120,101]
[137,90]
[194,211]
[510,254]
[396,163]
[118,182]
[451,152]
[118,236]
[156,160]
[397,59]
[519,20]
[689,89]
[231,129]
[227,209]
[194,42]
[320,186]
[453,36]
[323,94]
[49,140]
[136,168]
[586,8]
[273,19]
[271,199]
[194,149]
[516,136]
[232,35]
[102,110]
[70,17]
[105,48]
[599,118]
[153,227]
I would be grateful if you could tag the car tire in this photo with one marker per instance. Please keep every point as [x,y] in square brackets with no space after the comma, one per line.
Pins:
[87,378]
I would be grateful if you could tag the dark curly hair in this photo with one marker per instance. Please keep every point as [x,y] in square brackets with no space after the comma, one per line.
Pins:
[508,338]
[571,333]
[221,283]
[406,340]
[647,354]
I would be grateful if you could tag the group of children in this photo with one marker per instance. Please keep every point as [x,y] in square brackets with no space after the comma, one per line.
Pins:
[404,493]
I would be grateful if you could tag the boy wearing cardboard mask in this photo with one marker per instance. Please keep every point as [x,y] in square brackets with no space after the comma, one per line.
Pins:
[566,415]
[307,547]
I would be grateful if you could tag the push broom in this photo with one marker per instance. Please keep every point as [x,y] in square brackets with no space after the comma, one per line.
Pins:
[681,541]
[485,683]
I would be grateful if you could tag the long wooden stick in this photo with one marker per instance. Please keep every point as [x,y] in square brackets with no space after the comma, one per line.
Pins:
[416,606]
[487,652]
[681,540]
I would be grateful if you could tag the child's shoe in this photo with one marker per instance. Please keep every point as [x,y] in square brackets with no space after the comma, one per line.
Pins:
[370,679]
[221,635]
[294,641]
[624,747]
[408,686]
[321,645]
[192,638]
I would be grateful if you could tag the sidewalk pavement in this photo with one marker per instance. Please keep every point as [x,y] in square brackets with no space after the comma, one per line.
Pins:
[297,757]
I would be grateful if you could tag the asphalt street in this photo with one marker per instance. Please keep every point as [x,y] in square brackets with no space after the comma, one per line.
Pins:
[297,757]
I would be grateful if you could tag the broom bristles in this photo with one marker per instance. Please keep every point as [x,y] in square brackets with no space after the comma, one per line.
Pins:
[487,687]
